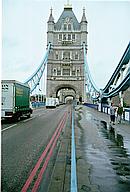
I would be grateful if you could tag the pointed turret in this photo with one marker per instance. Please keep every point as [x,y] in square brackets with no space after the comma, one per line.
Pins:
[51,18]
[83,24]
[84,17]
[50,28]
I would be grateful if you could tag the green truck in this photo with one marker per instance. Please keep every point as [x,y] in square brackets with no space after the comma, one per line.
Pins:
[15,101]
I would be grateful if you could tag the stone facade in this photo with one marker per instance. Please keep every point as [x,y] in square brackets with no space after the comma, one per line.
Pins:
[65,68]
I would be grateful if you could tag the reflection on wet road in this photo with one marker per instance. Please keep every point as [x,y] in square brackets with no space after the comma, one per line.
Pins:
[106,152]
[120,158]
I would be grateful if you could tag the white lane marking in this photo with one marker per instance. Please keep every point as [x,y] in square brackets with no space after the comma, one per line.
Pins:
[29,119]
[8,127]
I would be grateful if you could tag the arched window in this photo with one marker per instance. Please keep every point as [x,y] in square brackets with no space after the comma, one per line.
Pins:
[65,26]
[66,55]
[54,72]
[69,26]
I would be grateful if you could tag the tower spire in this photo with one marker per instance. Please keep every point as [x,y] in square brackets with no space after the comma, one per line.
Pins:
[68,5]
[83,17]
[51,16]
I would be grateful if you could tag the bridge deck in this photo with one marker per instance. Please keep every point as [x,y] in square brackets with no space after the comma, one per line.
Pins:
[100,149]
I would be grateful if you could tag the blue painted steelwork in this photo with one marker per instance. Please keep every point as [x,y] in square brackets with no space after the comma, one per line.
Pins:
[117,83]
[121,87]
[73,159]
[37,104]
[92,88]
[34,79]
[87,71]
[124,60]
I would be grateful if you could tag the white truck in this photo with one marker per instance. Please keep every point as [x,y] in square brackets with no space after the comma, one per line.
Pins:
[50,102]
[57,102]
[15,101]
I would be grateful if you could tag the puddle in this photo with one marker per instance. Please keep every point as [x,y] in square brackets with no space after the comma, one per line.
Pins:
[102,173]
[119,155]
[110,169]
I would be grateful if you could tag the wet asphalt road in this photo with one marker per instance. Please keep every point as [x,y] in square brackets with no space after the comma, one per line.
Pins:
[106,151]
[22,144]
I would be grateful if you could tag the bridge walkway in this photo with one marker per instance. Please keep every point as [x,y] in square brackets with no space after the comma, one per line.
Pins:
[101,149]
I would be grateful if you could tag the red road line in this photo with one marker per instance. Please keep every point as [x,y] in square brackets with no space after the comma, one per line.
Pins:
[37,183]
[33,173]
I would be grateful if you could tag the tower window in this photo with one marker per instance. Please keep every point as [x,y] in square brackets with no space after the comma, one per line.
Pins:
[78,72]
[73,36]
[65,26]
[54,72]
[76,55]
[69,37]
[69,27]
[64,37]
[73,73]
[66,55]
[60,37]
[58,72]
[57,55]
[66,72]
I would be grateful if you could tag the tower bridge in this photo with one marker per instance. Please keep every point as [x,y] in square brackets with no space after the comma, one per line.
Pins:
[70,148]
[67,66]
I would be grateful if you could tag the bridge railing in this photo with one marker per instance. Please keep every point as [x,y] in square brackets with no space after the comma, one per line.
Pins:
[106,109]
[37,104]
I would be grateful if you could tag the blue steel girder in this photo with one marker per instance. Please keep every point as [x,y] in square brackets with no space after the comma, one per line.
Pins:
[119,81]
[34,79]
[122,64]
[92,88]
[125,84]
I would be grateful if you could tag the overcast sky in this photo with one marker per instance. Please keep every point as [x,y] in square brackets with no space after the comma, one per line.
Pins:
[24,35]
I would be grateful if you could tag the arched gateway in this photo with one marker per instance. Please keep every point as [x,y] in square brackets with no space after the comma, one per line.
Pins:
[65,68]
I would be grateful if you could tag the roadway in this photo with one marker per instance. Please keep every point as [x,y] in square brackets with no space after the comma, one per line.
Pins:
[23,143]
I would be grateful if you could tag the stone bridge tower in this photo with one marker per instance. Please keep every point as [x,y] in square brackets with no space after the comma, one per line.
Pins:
[65,68]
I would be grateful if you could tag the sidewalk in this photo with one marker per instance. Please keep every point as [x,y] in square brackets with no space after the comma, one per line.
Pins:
[92,150]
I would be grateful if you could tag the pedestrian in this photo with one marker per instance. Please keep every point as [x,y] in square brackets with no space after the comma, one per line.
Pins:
[112,114]
[119,113]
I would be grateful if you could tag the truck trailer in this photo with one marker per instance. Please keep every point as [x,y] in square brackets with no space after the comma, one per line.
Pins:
[15,101]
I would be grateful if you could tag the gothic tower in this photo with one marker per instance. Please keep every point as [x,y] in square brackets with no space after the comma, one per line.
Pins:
[65,68]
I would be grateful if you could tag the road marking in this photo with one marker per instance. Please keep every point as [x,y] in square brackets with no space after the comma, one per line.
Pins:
[28,119]
[48,147]
[38,181]
[8,127]
[73,157]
